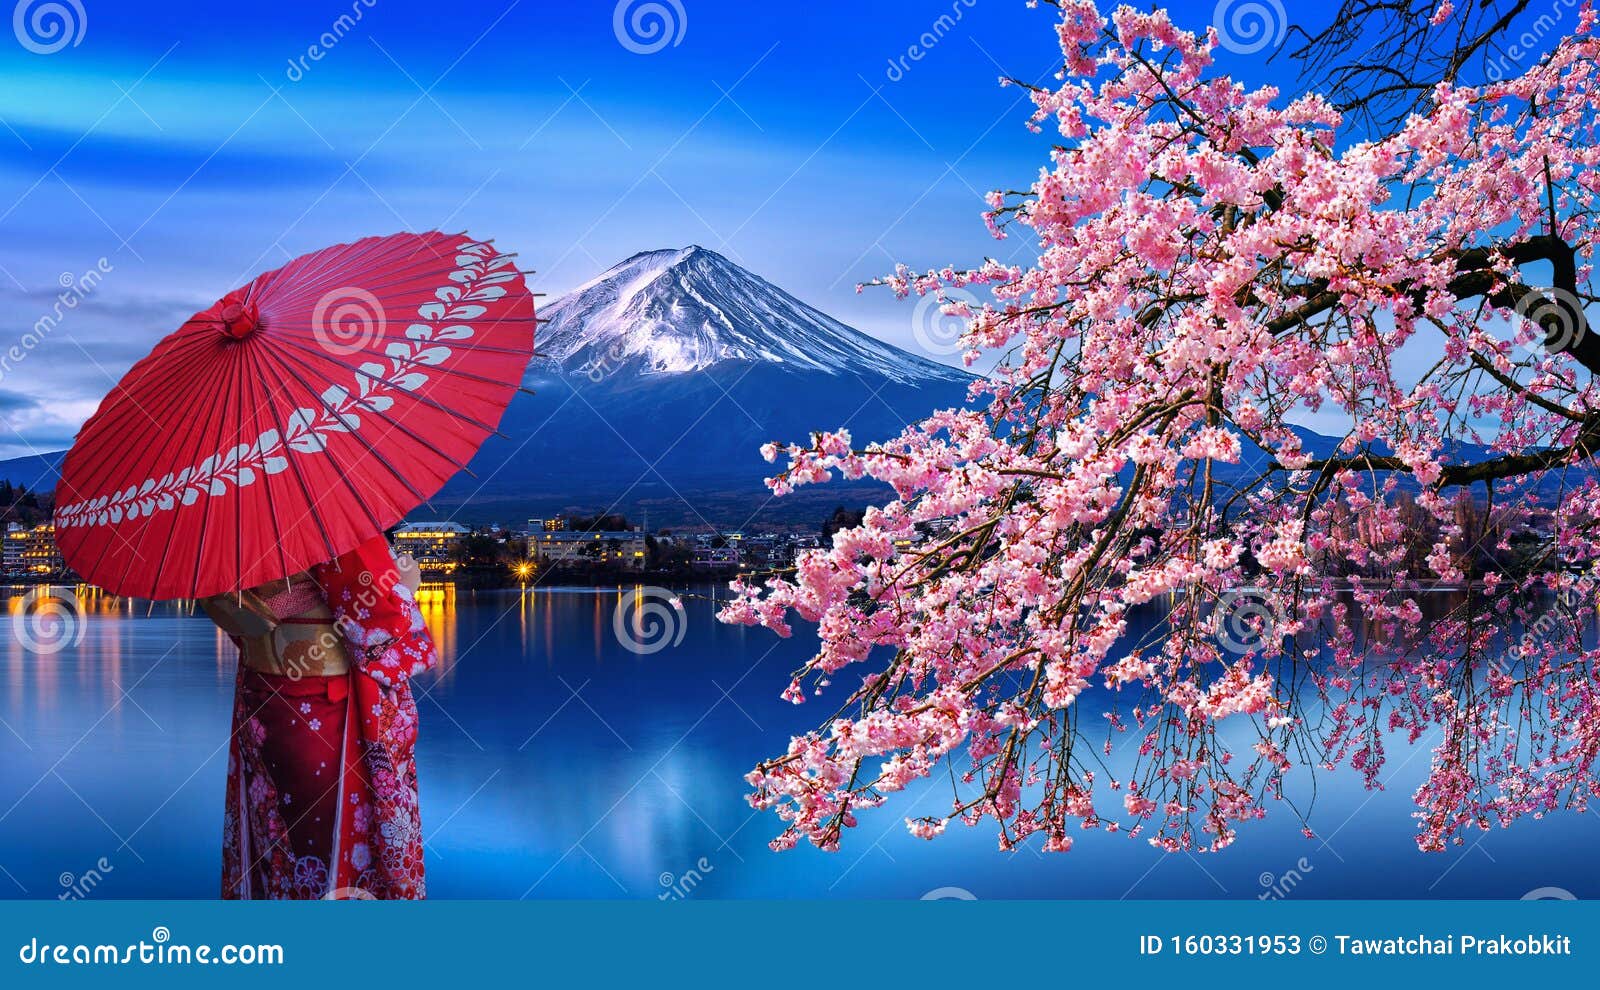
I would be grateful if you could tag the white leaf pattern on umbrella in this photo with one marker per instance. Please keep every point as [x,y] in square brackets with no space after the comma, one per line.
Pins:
[307,430]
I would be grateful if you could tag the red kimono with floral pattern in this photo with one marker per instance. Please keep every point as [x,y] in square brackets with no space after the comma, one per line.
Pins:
[322,778]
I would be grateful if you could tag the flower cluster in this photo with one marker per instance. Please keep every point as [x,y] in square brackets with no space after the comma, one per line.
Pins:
[1216,263]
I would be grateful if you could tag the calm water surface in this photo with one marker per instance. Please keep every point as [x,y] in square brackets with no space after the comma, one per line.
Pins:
[556,763]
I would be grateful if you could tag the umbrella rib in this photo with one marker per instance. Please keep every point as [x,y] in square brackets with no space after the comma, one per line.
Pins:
[301,328]
[245,385]
[130,392]
[229,389]
[322,263]
[394,423]
[172,440]
[300,480]
[313,502]
[364,442]
[431,402]
[470,376]
[382,251]
[328,269]
[258,386]
[406,272]
[199,445]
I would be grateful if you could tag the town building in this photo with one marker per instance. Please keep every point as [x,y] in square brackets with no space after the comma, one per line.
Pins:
[715,557]
[616,548]
[32,551]
[433,545]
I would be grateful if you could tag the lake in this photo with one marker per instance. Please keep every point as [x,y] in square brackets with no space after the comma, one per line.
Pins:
[557,763]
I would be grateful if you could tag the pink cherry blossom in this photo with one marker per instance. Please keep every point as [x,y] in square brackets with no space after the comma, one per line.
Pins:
[1129,544]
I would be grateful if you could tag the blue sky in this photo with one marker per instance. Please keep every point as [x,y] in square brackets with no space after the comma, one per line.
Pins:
[195,144]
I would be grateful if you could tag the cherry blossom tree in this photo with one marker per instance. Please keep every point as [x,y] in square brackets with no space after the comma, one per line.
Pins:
[1126,540]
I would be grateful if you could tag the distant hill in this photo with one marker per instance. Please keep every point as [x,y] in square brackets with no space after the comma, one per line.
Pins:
[658,382]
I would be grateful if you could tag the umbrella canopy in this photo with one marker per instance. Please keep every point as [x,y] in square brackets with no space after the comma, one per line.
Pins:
[297,417]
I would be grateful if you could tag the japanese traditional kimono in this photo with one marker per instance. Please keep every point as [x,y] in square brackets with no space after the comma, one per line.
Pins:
[322,780]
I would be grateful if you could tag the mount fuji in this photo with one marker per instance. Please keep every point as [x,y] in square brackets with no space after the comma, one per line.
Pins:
[659,380]
[656,385]
[674,312]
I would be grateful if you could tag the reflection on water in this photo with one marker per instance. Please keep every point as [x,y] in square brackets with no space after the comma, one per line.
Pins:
[558,762]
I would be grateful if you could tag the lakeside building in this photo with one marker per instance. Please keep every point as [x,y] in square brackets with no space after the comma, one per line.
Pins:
[32,551]
[434,545]
[716,558]
[617,548]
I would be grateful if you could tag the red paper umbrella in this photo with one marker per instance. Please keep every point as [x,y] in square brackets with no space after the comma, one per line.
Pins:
[302,414]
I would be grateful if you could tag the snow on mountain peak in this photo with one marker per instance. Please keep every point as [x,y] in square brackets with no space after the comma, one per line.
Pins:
[680,310]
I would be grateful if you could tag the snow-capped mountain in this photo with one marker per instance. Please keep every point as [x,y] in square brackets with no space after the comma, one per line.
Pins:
[660,379]
[678,311]
[658,382]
